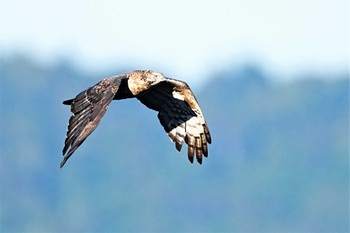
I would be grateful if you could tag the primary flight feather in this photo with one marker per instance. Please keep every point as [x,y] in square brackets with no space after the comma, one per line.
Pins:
[177,107]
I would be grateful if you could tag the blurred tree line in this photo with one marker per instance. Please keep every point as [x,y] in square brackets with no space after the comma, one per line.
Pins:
[279,159]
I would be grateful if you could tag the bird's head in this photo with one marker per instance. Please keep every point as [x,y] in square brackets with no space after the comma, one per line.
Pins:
[154,77]
[143,79]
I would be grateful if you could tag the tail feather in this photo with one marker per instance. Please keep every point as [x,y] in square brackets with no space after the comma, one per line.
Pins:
[68,102]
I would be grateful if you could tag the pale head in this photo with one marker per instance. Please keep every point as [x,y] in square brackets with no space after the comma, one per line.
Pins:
[141,80]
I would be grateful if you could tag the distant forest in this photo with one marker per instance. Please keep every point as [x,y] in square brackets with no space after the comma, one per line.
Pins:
[279,161]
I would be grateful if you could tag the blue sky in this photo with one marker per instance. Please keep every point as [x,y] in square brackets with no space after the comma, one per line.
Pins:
[183,38]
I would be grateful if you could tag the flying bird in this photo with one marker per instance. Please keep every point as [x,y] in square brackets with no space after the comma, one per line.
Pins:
[178,110]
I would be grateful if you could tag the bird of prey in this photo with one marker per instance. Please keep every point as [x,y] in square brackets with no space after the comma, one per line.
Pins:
[177,107]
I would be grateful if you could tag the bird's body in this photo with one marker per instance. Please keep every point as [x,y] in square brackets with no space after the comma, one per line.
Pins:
[177,107]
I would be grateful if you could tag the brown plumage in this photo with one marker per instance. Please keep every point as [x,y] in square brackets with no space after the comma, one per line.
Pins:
[177,107]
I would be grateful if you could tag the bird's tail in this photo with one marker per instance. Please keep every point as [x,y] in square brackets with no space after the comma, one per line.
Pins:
[68,102]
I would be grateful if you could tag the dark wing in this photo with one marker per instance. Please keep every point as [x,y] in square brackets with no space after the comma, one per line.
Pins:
[88,107]
[180,115]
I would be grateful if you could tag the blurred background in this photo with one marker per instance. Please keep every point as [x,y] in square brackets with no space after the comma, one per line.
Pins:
[272,78]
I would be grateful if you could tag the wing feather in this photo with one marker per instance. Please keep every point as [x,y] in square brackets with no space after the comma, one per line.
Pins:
[88,108]
[180,116]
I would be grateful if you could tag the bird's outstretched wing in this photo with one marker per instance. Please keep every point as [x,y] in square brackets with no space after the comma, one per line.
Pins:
[180,115]
[88,107]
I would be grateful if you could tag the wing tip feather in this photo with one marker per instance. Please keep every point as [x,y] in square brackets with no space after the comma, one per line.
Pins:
[191,153]
[63,161]
[207,133]
[178,146]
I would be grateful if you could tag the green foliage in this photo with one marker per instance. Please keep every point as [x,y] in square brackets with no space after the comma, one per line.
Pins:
[278,163]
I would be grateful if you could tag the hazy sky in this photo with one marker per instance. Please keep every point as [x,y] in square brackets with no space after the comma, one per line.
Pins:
[182,37]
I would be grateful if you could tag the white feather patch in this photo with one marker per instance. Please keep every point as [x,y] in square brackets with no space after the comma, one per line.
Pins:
[193,127]
[172,134]
[180,133]
[178,95]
